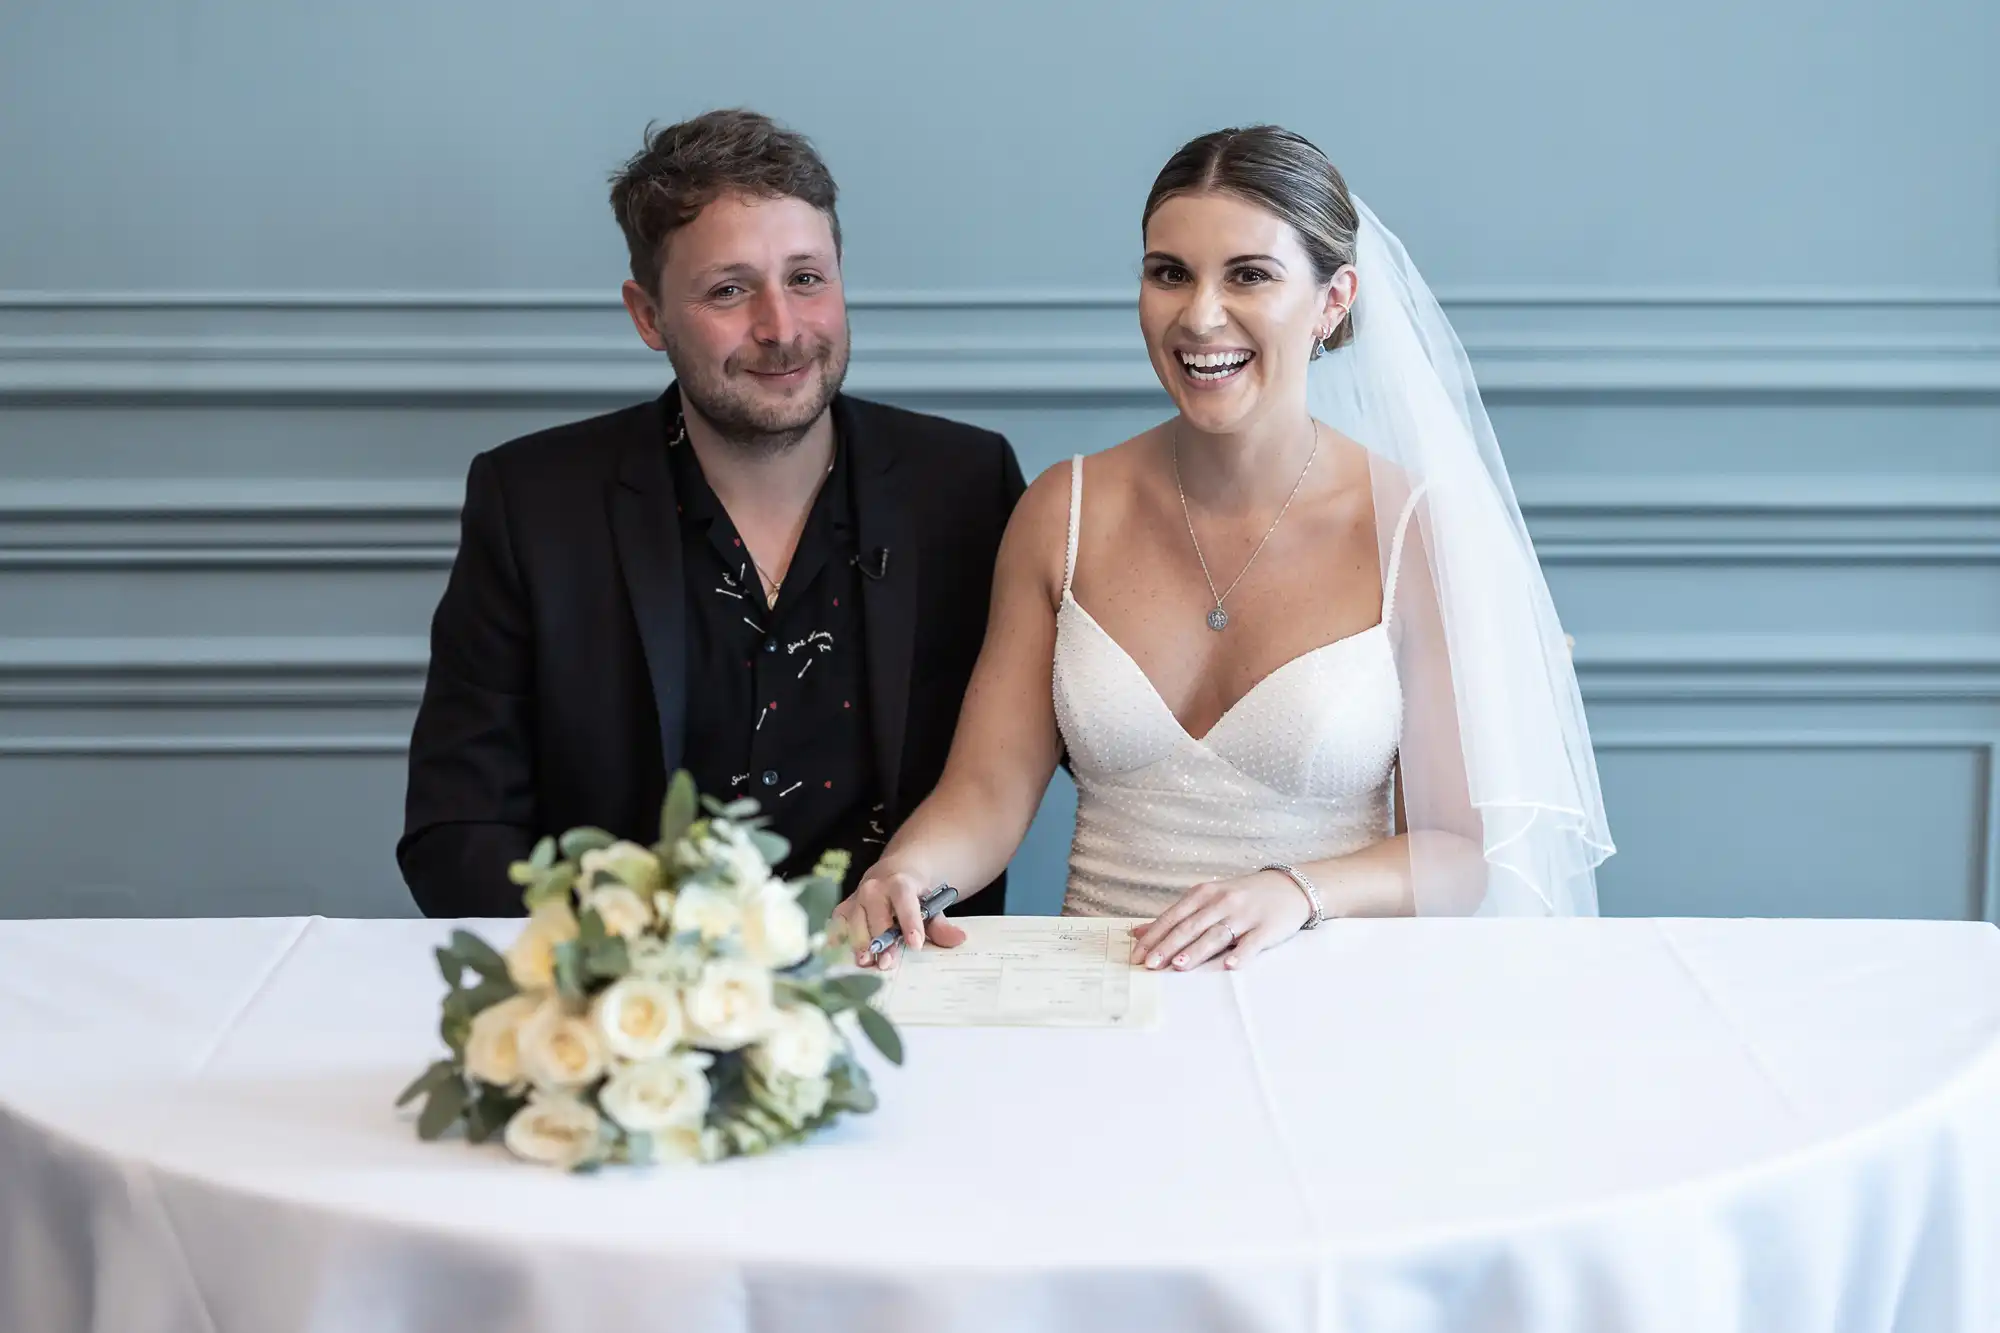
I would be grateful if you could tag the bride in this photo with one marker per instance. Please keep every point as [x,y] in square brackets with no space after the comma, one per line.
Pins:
[1294,639]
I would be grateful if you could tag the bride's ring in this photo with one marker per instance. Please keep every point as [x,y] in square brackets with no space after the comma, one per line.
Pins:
[1232,931]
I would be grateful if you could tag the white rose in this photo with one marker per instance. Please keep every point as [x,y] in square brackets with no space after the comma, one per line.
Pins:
[659,1094]
[801,1044]
[623,911]
[792,1100]
[731,1006]
[629,863]
[743,864]
[775,930]
[712,912]
[531,960]
[493,1050]
[559,1049]
[638,1017]
[553,1129]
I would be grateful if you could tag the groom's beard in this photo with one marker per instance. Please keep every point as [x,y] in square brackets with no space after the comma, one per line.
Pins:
[751,417]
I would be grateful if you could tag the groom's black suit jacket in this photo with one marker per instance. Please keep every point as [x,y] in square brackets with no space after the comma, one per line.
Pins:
[558,688]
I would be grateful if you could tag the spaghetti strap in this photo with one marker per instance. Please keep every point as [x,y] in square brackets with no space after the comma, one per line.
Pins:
[1075,518]
[1396,552]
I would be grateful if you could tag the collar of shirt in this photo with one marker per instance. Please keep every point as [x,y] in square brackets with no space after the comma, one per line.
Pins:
[828,532]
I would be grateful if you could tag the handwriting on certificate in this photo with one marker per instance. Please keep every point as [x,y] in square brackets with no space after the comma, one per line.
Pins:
[1026,971]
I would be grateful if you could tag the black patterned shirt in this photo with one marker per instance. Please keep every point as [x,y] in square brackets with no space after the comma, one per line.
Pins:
[776,696]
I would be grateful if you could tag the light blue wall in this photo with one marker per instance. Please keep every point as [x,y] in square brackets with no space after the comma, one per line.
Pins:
[1730,274]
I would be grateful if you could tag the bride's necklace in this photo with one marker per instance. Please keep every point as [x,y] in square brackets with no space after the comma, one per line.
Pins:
[1218,619]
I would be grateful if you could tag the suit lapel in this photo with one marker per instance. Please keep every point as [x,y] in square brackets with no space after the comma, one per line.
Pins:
[647,534]
[888,603]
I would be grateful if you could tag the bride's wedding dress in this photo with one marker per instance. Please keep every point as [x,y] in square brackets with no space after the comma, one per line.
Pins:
[1299,769]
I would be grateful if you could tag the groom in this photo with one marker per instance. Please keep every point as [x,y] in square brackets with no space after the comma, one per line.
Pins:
[754,576]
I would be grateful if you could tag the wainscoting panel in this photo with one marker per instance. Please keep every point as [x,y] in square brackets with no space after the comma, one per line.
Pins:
[1772,521]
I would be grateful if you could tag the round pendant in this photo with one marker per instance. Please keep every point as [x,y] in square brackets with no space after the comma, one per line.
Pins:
[1218,620]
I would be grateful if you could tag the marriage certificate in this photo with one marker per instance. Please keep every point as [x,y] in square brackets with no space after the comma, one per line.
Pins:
[1026,971]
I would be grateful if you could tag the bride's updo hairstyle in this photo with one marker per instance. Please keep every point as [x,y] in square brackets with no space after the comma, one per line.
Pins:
[1281,172]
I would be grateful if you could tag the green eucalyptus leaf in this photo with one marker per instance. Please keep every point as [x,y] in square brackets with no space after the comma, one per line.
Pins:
[679,809]
[522,873]
[569,969]
[881,1032]
[818,898]
[442,1110]
[430,1078]
[480,956]
[580,840]
[855,987]
[455,1027]
[554,884]
[639,1149]
[608,959]
[590,930]
[450,966]
[790,989]
[772,847]
[544,854]
[487,994]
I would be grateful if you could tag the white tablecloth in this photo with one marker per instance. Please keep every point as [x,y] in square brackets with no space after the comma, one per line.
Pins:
[1683,1126]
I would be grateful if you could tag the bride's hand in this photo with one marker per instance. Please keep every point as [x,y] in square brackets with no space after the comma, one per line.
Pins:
[889,897]
[1236,919]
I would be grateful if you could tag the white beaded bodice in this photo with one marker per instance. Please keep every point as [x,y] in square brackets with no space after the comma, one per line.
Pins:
[1299,769]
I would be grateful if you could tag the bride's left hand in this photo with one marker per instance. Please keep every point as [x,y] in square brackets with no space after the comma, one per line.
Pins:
[1234,918]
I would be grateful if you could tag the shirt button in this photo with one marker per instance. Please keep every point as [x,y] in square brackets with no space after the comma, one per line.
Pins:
[770,777]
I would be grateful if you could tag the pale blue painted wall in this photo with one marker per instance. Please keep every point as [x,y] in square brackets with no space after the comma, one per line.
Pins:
[1731,276]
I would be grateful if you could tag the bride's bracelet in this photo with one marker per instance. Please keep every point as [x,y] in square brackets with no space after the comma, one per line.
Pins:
[1306,887]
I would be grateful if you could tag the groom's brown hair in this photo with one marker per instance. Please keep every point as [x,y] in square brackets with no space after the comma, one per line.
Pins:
[685,167]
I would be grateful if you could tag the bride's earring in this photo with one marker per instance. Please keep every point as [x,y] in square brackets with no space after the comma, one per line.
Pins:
[1319,346]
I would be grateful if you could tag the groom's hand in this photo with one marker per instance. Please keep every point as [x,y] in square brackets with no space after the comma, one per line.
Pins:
[889,897]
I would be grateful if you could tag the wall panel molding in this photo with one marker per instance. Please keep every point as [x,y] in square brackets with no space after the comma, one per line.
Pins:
[233,523]
[496,346]
[1983,744]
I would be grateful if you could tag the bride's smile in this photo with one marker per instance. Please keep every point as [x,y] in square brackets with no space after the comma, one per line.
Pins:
[1229,303]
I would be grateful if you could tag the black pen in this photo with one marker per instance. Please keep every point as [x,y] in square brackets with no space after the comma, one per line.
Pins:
[943,896]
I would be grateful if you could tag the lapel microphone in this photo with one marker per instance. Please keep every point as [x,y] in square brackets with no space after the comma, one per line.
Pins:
[880,560]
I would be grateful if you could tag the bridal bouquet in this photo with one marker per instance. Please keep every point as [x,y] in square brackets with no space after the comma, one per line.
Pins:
[665,1003]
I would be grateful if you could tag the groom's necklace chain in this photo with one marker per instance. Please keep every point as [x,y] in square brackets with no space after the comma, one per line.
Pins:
[771,580]
[1218,619]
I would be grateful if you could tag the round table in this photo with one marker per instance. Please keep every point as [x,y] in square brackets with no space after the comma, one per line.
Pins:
[1386,1125]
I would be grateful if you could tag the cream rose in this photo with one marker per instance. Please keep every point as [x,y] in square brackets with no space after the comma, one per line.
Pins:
[638,1017]
[531,959]
[553,1129]
[711,912]
[801,1044]
[630,864]
[623,912]
[731,1006]
[493,1050]
[671,1093]
[775,930]
[559,1049]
